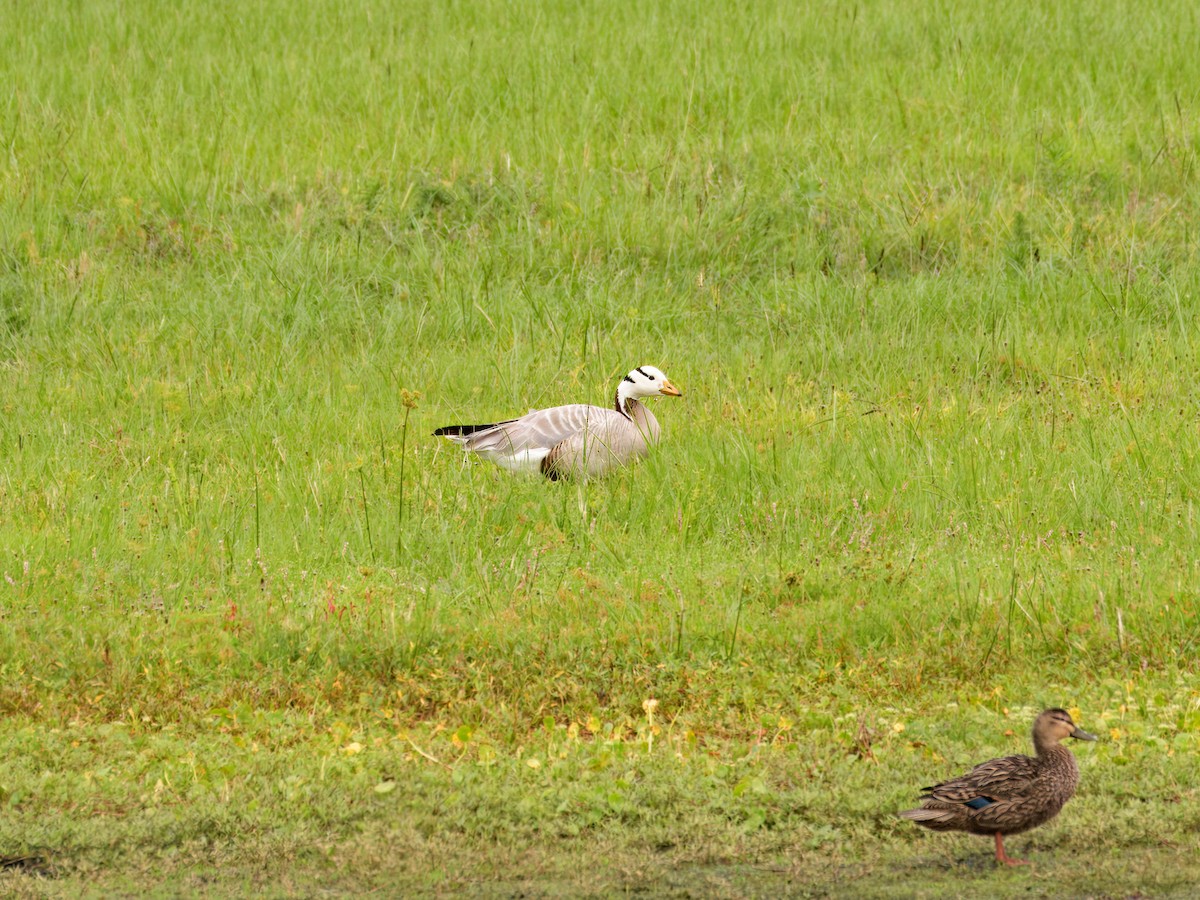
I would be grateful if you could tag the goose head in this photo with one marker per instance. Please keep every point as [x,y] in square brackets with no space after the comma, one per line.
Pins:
[647,381]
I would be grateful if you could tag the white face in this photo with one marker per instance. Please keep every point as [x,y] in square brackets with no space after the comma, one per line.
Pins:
[647,381]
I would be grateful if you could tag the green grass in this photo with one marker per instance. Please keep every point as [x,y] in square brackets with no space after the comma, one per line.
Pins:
[928,276]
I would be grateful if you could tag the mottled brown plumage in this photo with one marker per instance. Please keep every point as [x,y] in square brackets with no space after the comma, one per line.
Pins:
[1008,795]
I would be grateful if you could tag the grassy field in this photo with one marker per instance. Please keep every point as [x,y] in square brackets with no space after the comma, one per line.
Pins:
[929,276]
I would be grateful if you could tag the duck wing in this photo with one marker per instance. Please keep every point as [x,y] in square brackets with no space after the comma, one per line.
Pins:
[993,796]
[1006,778]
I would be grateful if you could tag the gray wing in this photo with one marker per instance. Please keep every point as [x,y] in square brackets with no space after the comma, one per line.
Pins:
[541,429]
[606,442]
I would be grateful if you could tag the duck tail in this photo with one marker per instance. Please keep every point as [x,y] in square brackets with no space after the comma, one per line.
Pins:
[931,817]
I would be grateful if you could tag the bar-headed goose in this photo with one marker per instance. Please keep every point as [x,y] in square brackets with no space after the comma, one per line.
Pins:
[573,440]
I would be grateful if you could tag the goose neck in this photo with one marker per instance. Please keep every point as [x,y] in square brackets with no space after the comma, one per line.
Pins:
[625,404]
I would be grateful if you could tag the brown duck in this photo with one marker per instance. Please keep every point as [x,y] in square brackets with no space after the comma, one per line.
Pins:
[1009,795]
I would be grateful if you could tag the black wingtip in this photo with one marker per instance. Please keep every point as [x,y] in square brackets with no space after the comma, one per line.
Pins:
[465,430]
[459,430]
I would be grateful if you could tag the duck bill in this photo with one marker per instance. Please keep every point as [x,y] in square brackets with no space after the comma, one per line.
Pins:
[1080,735]
[669,390]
